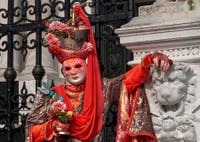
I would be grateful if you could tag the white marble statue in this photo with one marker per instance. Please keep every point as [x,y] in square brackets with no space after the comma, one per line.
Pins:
[174,103]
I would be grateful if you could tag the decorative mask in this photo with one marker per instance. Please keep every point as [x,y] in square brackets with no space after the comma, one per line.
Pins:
[74,70]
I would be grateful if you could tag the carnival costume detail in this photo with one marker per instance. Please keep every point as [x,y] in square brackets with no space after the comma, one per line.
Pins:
[134,122]
[65,41]
[81,104]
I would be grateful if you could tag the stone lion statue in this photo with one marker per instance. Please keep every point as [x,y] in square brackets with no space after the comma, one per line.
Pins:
[172,98]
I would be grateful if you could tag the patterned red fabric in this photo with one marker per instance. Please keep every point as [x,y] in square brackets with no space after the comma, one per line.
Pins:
[127,127]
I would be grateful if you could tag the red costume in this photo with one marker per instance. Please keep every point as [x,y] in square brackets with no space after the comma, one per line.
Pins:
[88,123]
[134,118]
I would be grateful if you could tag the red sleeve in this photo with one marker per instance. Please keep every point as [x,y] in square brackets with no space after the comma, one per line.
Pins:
[135,77]
[40,133]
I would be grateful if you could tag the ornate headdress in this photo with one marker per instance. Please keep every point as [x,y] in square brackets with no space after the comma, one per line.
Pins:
[68,40]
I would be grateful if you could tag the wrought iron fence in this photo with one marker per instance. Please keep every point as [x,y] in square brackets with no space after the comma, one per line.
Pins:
[21,30]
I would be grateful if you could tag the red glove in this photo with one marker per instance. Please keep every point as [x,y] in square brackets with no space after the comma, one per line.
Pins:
[60,128]
[159,60]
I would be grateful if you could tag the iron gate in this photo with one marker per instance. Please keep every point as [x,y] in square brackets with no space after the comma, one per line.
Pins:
[25,17]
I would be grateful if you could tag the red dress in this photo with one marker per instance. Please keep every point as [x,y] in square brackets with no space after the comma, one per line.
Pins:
[86,125]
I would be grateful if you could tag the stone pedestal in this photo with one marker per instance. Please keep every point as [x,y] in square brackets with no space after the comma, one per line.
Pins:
[172,28]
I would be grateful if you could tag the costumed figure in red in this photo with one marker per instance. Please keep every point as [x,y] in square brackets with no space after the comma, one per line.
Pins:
[75,110]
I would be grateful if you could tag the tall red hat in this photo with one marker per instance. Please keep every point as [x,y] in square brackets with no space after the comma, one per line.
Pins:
[68,44]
